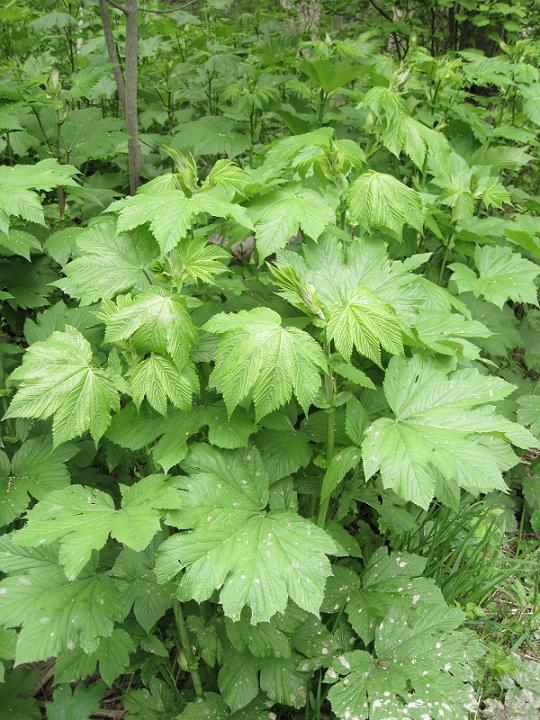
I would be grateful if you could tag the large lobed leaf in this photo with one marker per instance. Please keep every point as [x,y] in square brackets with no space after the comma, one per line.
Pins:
[255,557]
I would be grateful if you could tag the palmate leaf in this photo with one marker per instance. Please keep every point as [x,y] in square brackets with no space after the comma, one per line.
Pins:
[279,216]
[82,518]
[448,333]
[529,413]
[241,674]
[56,614]
[159,380]
[108,264]
[366,323]
[154,321]
[111,655]
[388,579]
[77,705]
[171,214]
[202,261]
[233,543]
[36,469]
[17,185]
[434,444]
[57,378]
[211,135]
[329,74]
[502,275]
[365,298]
[377,200]
[400,132]
[212,707]
[258,357]
[422,670]
[16,694]
[135,577]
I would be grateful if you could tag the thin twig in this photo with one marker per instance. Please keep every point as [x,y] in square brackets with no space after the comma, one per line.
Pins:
[44,679]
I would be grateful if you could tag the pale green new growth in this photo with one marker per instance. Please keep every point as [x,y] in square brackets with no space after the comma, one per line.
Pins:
[171,214]
[58,379]
[159,380]
[280,215]
[154,322]
[258,358]
[377,200]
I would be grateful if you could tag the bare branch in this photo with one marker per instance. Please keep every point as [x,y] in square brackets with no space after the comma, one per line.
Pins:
[117,5]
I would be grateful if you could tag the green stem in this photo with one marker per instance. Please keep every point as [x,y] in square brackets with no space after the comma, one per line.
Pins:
[322,103]
[330,433]
[447,248]
[192,663]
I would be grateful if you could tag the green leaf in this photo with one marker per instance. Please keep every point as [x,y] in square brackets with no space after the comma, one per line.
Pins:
[18,182]
[55,613]
[284,450]
[57,378]
[502,275]
[529,413]
[36,469]
[440,419]
[502,323]
[138,583]
[344,460]
[228,432]
[211,135]
[112,656]
[377,200]
[202,260]
[258,358]
[18,242]
[422,667]
[212,707]
[234,544]
[108,264]
[8,642]
[77,705]
[448,333]
[171,214]
[366,323]
[16,695]
[238,679]
[154,321]
[262,640]
[281,214]
[159,380]
[329,74]
[389,579]
[335,272]
[82,518]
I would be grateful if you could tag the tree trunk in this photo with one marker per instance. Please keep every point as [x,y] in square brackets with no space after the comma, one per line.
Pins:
[127,82]
[131,80]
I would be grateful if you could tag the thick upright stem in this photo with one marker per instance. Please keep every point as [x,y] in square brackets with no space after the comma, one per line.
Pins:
[330,434]
[112,52]
[131,81]
[192,664]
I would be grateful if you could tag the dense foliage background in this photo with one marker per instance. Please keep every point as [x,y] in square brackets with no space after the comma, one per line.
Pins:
[270,356]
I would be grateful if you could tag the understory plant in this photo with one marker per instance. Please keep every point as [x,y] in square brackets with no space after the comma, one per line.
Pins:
[262,418]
